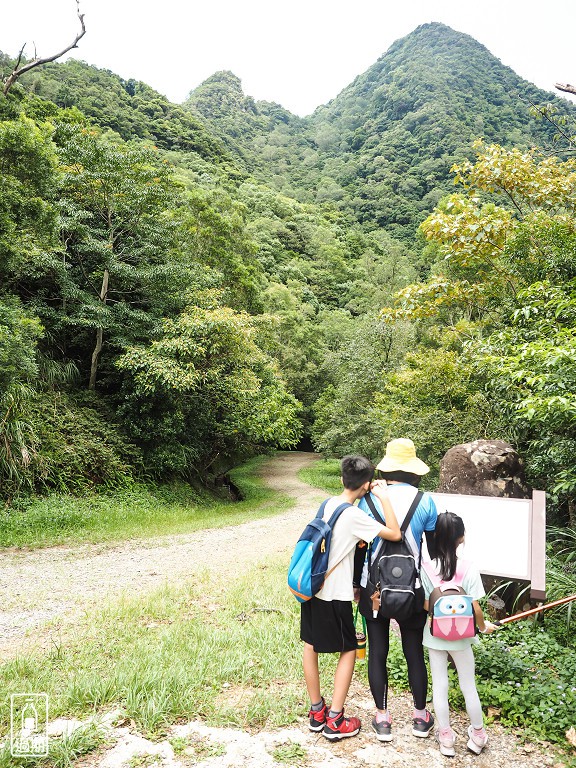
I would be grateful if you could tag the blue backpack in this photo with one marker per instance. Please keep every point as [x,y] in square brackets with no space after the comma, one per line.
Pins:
[309,564]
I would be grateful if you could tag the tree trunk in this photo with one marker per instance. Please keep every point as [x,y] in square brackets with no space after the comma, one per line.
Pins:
[99,334]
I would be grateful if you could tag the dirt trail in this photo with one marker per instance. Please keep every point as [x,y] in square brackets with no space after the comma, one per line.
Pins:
[59,581]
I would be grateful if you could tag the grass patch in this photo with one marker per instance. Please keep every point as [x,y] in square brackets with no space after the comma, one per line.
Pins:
[290,754]
[140,511]
[323,474]
[227,653]
[198,748]
[62,752]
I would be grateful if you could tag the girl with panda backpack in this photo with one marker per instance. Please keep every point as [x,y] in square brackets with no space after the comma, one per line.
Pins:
[448,567]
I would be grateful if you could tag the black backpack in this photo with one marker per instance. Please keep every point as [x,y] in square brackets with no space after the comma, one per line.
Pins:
[393,585]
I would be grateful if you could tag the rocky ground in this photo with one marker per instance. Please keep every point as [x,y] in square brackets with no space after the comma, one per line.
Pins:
[54,585]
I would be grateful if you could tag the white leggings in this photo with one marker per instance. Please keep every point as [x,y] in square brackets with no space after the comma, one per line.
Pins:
[464,661]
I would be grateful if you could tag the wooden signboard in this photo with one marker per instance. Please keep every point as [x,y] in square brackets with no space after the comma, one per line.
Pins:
[506,538]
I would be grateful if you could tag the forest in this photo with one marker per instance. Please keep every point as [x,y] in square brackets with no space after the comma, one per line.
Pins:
[186,286]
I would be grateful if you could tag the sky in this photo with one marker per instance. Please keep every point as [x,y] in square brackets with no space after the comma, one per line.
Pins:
[300,53]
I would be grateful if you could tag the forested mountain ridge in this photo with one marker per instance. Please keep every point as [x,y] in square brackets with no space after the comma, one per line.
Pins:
[238,120]
[382,149]
[416,111]
[129,107]
[213,273]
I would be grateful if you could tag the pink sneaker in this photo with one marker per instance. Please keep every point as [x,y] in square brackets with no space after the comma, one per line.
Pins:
[445,738]
[477,740]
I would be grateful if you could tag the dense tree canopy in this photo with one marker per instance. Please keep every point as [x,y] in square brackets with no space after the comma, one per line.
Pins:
[204,393]
[182,286]
[509,269]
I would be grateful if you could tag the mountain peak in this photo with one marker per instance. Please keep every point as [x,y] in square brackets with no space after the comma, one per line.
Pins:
[219,95]
[224,78]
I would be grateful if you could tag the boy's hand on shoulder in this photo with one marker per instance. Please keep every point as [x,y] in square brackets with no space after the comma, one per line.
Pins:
[391,531]
[379,487]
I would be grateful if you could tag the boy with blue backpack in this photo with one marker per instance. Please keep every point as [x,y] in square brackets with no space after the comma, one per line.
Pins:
[326,620]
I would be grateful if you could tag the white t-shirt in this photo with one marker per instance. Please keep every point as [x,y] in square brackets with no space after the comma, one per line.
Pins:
[352,526]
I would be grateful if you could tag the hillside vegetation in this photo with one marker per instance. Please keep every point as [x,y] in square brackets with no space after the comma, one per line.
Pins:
[183,286]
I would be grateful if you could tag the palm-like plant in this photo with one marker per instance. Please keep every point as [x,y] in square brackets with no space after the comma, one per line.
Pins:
[17,438]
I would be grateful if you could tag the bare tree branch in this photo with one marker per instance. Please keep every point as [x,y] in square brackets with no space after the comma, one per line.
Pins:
[36,62]
[568,88]
[20,55]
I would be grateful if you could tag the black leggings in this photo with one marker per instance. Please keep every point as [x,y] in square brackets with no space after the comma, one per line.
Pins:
[379,642]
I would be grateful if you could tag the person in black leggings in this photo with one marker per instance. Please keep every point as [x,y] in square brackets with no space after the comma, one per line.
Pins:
[379,641]
[403,472]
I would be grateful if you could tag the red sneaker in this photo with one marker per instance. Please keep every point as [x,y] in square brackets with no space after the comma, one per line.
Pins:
[318,717]
[341,727]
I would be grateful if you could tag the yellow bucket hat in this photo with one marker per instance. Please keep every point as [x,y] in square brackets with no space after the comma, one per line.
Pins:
[401,456]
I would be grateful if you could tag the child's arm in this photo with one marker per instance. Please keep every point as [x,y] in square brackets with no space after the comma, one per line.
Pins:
[486,627]
[391,530]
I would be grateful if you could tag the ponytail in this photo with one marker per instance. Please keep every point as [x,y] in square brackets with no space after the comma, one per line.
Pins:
[449,530]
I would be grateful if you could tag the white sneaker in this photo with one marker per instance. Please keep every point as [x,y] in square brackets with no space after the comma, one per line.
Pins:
[445,738]
[477,740]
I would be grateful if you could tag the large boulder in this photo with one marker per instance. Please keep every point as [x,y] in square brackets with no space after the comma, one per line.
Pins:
[484,468]
[488,468]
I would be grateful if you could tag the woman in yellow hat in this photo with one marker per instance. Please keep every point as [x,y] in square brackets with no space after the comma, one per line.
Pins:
[403,471]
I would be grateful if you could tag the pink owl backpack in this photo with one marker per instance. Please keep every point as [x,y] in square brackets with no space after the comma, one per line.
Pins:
[450,609]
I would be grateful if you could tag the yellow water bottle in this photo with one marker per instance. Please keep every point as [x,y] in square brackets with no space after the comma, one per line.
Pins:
[360,636]
[360,646]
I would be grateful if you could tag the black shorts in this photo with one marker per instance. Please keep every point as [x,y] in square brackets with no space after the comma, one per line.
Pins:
[328,626]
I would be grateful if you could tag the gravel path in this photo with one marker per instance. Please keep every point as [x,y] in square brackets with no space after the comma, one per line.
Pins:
[57,583]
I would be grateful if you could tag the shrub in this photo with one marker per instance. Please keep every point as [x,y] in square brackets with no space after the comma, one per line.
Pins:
[525,674]
[79,445]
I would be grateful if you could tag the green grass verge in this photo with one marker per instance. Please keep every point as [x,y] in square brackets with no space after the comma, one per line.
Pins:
[141,511]
[323,474]
[228,653]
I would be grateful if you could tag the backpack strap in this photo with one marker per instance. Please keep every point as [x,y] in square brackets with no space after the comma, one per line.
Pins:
[373,508]
[377,516]
[462,567]
[320,513]
[405,522]
[457,580]
[408,518]
[335,515]
[410,515]
[431,573]
[337,512]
